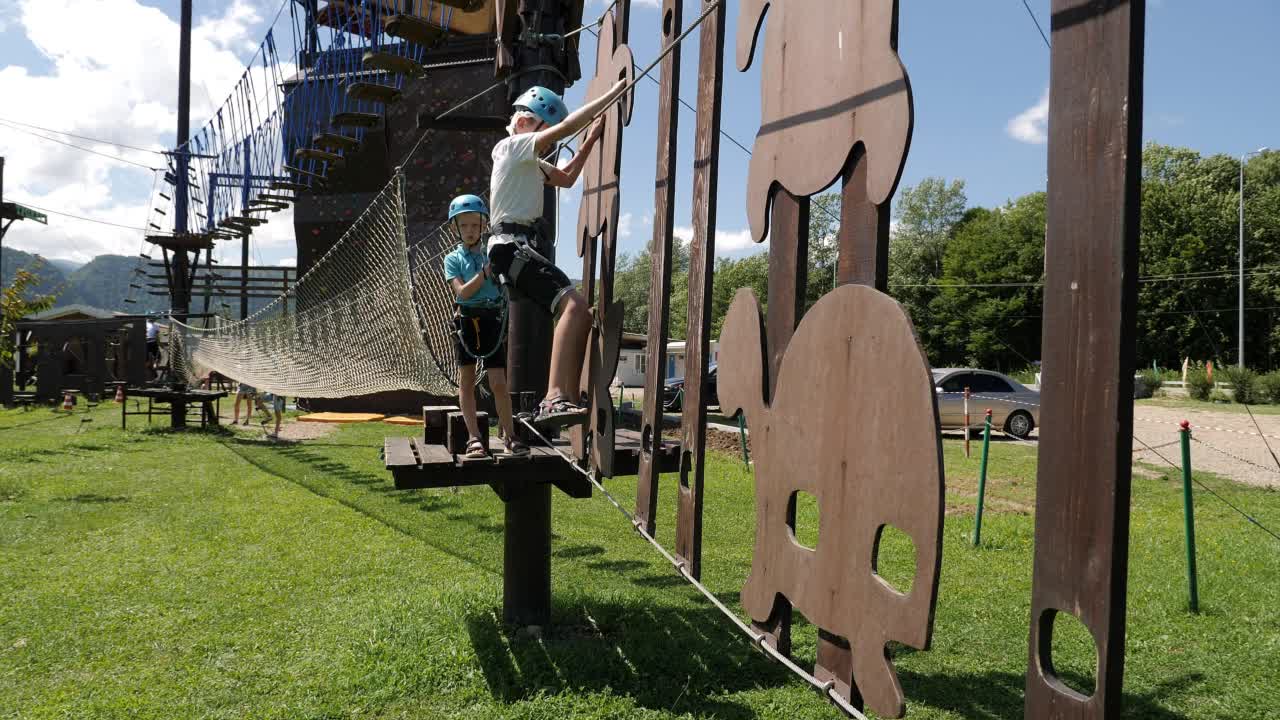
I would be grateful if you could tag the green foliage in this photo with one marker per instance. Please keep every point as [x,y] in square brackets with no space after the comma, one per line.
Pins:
[1198,383]
[1269,387]
[16,302]
[1151,380]
[928,215]
[1244,384]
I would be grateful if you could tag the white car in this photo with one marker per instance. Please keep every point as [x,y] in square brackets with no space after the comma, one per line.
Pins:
[1015,408]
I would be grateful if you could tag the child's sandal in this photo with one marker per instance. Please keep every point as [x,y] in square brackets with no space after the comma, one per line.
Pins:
[516,448]
[475,449]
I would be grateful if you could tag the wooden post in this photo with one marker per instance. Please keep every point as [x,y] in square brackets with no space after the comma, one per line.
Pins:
[664,205]
[706,169]
[1090,302]
[526,590]
[180,290]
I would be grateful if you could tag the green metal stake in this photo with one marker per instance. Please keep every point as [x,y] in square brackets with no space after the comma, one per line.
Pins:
[742,437]
[1190,517]
[982,479]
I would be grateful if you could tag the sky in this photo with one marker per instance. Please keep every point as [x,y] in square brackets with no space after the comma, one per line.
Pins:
[978,70]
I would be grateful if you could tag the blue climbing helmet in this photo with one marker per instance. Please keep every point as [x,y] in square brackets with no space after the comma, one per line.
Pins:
[467,204]
[543,103]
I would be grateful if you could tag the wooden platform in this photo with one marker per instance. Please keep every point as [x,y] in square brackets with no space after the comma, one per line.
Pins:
[391,62]
[414,29]
[287,185]
[336,141]
[416,464]
[355,119]
[321,155]
[373,92]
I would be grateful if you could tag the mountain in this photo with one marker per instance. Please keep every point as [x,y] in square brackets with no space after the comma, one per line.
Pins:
[52,279]
[66,266]
[103,282]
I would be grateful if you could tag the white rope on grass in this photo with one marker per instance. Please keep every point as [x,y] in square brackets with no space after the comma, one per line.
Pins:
[826,687]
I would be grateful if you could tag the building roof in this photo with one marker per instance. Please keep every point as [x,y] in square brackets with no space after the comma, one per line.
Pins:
[63,311]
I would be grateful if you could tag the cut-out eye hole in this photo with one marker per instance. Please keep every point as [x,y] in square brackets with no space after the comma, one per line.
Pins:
[803,517]
[646,440]
[686,468]
[893,559]
[602,419]
[666,23]
[1068,654]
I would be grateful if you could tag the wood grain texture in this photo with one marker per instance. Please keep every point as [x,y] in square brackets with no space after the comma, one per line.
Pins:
[660,259]
[864,231]
[1090,299]
[853,357]
[831,80]
[706,171]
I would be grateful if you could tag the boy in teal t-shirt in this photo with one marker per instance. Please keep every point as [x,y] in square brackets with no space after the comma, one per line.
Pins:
[480,333]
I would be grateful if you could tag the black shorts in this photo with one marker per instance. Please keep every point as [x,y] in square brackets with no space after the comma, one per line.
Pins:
[538,280]
[153,348]
[480,330]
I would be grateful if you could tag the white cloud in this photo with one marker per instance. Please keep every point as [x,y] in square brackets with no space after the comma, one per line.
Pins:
[624,225]
[101,86]
[1031,125]
[728,242]
[288,262]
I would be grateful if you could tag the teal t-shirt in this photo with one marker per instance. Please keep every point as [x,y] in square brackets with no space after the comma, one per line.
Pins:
[466,264]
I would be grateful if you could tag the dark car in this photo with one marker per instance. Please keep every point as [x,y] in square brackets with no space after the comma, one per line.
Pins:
[673,391]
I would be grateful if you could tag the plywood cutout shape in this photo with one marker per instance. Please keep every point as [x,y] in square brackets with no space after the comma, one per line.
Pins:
[853,422]
[601,174]
[605,346]
[831,79]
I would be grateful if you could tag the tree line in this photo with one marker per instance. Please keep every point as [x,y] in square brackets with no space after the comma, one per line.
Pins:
[971,278]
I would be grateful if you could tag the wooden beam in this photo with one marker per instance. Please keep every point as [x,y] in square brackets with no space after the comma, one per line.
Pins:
[1090,303]
[706,170]
[660,259]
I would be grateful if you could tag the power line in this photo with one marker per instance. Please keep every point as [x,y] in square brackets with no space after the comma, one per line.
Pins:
[100,141]
[1036,20]
[81,217]
[79,147]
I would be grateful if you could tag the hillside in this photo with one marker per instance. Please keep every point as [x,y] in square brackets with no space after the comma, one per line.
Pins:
[104,282]
[52,280]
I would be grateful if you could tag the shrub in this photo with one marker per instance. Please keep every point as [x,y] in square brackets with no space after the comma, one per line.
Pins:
[1198,384]
[1151,382]
[1217,396]
[1244,384]
[1269,387]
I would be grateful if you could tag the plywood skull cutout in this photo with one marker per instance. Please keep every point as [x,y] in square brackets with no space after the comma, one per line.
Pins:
[853,423]
[831,80]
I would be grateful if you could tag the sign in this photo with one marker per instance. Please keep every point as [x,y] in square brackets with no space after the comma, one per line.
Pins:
[14,211]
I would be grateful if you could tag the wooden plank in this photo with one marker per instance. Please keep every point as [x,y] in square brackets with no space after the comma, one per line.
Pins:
[864,231]
[1090,303]
[660,259]
[397,453]
[373,92]
[706,170]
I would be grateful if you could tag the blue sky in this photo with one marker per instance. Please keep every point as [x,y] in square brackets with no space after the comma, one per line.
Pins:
[975,67]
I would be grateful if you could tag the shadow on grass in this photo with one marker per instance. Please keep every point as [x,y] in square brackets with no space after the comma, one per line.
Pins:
[1000,694]
[94,499]
[670,659]
[370,495]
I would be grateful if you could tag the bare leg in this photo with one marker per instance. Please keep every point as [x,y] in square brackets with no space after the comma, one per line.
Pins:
[279,415]
[568,348]
[467,398]
[502,398]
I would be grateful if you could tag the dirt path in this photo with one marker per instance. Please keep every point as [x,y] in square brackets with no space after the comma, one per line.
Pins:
[1226,443]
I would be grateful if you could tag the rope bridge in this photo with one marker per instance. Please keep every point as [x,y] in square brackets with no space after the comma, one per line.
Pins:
[372,315]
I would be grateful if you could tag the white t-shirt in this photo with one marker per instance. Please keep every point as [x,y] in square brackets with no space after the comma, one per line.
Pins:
[153,330]
[515,187]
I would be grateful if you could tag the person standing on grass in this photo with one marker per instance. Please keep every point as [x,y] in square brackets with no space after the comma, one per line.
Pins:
[479,329]
[540,121]
[277,407]
[246,392]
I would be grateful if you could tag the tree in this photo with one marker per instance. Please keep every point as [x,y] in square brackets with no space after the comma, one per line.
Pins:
[631,281]
[987,311]
[926,216]
[16,302]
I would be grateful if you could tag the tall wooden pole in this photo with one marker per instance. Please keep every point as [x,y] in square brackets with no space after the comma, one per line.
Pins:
[180,290]
[1090,303]
[664,207]
[526,592]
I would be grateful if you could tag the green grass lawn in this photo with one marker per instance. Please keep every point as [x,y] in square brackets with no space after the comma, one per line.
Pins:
[1173,401]
[148,574]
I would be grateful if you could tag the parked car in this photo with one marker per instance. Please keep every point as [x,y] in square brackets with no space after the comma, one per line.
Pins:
[1015,408]
[673,391]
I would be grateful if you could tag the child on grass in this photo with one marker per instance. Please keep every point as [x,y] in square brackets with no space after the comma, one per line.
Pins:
[516,187]
[479,331]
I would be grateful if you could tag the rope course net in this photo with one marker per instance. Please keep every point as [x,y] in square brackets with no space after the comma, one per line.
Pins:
[372,315]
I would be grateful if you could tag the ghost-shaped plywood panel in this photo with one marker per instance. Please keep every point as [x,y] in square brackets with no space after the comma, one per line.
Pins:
[831,80]
[852,422]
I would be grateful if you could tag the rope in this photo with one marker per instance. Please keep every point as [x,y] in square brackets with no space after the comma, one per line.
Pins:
[827,688]
[1234,457]
[1211,491]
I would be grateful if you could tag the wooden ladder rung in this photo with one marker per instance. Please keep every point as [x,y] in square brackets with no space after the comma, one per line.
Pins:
[300,171]
[373,92]
[335,140]
[414,29]
[314,154]
[276,198]
[287,185]
[390,62]
[355,119]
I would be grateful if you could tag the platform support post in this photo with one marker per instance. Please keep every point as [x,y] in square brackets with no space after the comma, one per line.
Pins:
[526,566]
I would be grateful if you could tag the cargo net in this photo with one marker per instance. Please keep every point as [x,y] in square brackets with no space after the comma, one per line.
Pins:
[372,315]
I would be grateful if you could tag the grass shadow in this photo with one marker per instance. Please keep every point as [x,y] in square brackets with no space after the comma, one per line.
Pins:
[94,499]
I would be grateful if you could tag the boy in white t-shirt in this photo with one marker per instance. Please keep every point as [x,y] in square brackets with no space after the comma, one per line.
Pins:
[515,197]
